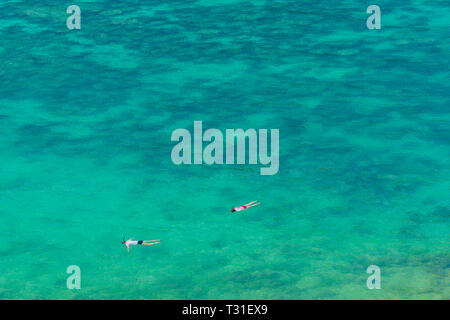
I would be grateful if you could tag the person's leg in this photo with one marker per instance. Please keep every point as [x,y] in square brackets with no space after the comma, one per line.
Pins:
[252,205]
[149,244]
[249,203]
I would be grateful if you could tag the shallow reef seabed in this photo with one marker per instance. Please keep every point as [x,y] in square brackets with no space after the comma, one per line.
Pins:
[86,118]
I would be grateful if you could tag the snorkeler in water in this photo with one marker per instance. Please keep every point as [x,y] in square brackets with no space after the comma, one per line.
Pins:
[131,242]
[246,206]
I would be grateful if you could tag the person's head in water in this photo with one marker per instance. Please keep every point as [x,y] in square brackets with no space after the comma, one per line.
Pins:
[123,241]
[233,209]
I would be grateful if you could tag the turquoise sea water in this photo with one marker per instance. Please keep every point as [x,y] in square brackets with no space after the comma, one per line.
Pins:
[85,123]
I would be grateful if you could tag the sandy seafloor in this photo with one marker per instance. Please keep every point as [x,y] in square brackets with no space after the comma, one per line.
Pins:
[85,124]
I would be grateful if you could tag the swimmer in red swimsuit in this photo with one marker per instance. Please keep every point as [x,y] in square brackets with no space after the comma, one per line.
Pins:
[246,206]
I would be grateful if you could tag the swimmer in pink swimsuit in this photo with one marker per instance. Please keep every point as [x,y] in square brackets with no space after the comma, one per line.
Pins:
[131,242]
[246,206]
